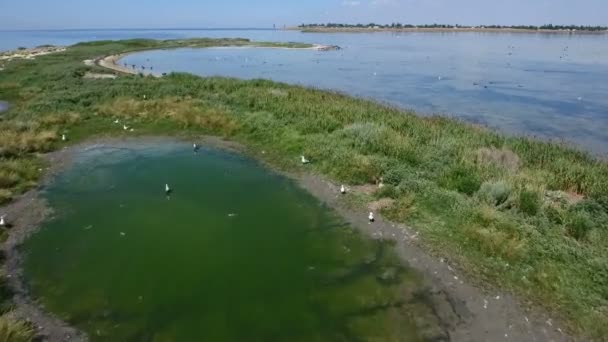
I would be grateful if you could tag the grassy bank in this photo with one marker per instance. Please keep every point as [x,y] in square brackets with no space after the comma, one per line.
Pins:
[528,216]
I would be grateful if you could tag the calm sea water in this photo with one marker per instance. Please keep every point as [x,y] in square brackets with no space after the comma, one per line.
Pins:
[547,85]
[235,253]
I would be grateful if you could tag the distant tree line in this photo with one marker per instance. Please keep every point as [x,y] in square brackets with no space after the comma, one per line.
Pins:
[517,27]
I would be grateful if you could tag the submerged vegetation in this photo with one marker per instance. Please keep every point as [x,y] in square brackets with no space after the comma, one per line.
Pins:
[529,216]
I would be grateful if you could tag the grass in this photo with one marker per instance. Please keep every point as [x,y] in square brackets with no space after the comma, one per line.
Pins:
[12,330]
[530,217]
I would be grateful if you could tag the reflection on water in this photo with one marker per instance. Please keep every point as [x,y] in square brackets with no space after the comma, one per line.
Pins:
[236,253]
[551,86]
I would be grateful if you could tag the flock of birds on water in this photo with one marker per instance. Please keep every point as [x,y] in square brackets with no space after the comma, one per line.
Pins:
[485,85]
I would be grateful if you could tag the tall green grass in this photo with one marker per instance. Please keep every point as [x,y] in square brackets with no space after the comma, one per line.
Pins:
[528,216]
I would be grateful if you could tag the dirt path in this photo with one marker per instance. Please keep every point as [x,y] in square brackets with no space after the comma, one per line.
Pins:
[466,312]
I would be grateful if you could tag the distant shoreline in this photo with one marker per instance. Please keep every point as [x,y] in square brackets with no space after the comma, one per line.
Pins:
[440,30]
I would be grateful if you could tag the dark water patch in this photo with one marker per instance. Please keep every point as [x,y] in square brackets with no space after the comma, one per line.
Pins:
[235,253]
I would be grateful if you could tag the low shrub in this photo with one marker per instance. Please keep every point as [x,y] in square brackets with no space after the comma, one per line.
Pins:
[529,202]
[494,193]
[462,179]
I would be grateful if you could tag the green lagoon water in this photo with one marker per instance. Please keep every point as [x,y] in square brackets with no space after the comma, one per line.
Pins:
[236,253]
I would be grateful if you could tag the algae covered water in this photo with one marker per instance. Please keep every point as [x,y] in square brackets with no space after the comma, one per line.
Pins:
[234,253]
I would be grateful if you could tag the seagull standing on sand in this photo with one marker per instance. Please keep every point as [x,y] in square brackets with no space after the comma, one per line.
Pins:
[371,217]
[304,160]
[342,190]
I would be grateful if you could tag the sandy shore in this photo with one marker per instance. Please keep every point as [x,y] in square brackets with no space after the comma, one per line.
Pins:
[30,53]
[466,312]
[111,62]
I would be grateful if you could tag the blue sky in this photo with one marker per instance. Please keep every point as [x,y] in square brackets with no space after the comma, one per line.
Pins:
[59,14]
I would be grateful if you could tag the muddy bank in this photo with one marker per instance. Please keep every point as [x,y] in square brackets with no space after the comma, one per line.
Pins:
[26,214]
[465,312]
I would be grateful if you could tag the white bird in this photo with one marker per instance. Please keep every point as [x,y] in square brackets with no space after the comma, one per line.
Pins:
[144,97]
[342,190]
[371,217]
[2,222]
[195,147]
[116,121]
[304,160]
[131,130]
[125,127]
[167,189]
[63,137]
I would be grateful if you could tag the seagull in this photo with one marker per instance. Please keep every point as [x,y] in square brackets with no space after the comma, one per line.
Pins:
[144,95]
[305,161]
[167,189]
[342,190]
[371,217]
[124,127]
[63,137]
[116,121]
[195,147]
[4,223]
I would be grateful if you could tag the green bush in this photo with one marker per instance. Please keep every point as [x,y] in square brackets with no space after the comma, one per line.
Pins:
[495,193]
[529,202]
[579,224]
[461,179]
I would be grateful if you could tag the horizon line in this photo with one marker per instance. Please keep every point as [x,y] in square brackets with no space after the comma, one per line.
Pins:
[146,29]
